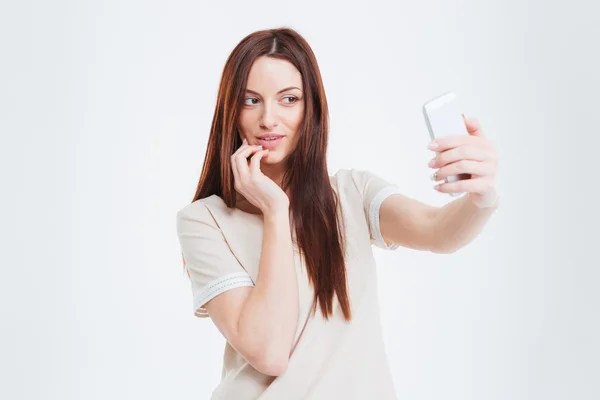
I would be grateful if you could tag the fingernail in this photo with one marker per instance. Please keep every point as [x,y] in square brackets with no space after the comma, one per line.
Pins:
[432,163]
[433,146]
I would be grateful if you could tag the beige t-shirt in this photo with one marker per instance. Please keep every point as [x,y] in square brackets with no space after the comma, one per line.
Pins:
[330,359]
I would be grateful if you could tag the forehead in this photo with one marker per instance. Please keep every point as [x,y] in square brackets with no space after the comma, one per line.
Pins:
[269,75]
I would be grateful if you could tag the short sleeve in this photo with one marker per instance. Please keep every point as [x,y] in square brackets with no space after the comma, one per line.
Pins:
[212,267]
[373,190]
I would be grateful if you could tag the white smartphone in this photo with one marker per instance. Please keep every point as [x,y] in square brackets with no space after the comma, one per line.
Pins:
[443,116]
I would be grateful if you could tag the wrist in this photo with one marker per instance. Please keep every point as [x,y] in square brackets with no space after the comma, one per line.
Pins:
[488,201]
[277,212]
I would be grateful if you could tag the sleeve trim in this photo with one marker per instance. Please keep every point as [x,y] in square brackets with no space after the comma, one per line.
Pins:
[374,216]
[218,286]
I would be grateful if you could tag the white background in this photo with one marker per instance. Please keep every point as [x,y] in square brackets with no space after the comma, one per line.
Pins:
[105,113]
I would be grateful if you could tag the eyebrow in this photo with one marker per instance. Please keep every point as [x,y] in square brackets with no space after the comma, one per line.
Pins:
[281,91]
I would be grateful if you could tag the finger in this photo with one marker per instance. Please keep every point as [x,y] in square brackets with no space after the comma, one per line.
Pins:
[242,161]
[244,149]
[246,152]
[255,161]
[459,153]
[474,185]
[465,167]
[451,142]
[473,126]
[236,175]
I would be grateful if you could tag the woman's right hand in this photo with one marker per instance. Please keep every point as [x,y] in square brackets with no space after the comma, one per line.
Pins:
[256,187]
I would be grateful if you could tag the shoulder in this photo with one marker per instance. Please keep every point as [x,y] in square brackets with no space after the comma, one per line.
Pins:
[197,209]
[197,213]
[351,179]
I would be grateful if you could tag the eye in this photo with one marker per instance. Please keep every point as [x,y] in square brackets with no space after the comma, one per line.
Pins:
[291,97]
[250,98]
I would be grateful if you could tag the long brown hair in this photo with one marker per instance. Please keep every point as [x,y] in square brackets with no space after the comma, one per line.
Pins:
[313,202]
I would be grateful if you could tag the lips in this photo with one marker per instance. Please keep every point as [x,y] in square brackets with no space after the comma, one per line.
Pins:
[270,141]
[269,135]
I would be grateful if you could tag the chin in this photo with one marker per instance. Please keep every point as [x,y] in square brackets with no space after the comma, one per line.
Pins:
[273,158]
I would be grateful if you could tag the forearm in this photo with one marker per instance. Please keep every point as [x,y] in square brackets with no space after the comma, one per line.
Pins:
[269,318]
[458,223]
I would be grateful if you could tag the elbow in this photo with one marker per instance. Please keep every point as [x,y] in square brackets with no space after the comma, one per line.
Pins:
[275,367]
[268,359]
[271,366]
[266,356]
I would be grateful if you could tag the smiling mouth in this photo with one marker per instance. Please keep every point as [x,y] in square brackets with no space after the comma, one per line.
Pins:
[269,143]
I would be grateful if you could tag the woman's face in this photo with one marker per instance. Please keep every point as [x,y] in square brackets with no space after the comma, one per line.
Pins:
[273,105]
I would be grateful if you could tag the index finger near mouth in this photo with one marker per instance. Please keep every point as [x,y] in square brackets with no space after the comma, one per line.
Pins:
[242,146]
[245,151]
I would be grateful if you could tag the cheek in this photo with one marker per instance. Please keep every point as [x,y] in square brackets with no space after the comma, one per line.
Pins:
[245,122]
[293,120]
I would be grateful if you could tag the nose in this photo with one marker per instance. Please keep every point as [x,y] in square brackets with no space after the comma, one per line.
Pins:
[269,116]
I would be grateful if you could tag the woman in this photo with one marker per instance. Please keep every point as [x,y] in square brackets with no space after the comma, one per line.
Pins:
[279,253]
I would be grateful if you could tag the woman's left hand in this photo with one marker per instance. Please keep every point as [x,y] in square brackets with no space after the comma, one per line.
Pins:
[474,155]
